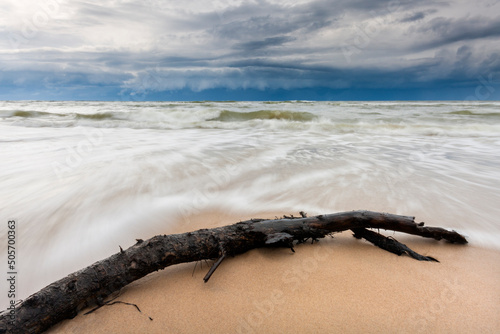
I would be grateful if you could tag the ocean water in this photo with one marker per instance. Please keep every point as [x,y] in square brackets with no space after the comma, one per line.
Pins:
[81,178]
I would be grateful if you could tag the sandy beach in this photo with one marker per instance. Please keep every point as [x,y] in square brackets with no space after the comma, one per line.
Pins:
[340,284]
[124,120]
[82,178]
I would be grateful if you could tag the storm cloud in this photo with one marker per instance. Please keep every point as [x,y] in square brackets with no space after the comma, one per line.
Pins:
[57,49]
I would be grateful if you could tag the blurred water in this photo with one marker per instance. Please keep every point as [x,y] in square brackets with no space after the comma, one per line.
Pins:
[81,178]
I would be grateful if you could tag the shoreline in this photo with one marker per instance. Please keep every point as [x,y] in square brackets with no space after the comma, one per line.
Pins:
[339,284]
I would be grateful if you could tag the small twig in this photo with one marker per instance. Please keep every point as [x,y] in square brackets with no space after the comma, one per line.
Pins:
[111,302]
[99,306]
[195,264]
[214,267]
[120,302]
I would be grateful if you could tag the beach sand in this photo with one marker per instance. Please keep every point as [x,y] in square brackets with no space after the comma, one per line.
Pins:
[340,284]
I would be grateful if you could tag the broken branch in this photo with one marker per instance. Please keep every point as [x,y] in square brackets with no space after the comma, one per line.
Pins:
[90,286]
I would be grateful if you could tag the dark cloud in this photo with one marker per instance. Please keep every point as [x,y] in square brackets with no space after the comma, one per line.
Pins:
[413,17]
[160,46]
[267,19]
[461,66]
[45,79]
[441,31]
[266,43]
[255,27]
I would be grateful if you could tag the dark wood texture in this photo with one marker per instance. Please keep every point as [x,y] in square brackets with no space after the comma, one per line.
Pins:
[90,286]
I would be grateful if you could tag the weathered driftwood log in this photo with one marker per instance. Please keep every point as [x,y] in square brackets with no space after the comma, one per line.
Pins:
[90,286]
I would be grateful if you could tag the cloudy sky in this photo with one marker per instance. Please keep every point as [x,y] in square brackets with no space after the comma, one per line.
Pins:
[249,50]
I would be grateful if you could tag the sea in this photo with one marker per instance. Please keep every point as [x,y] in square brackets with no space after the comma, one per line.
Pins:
[81,178]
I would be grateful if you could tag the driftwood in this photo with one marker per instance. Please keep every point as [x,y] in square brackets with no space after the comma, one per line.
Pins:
[90,286]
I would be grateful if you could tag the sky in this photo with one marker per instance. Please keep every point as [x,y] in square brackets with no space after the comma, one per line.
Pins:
[136,50]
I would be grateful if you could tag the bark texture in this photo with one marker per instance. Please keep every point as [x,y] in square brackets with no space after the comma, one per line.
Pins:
[90,286]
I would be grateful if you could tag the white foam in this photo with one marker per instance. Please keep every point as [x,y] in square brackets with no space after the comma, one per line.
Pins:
[123,177]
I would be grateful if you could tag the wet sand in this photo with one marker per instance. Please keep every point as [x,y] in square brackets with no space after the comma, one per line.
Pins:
[340,284]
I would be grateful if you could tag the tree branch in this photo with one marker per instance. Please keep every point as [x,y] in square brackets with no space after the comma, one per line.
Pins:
[90,286]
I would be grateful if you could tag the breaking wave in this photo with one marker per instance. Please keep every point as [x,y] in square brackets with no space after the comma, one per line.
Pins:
[453,119]
[234,116]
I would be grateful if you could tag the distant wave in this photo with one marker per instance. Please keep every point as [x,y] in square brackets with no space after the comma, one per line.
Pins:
[35,114]
[27,114]
[233,116]
[472,113]
[224,116]
[457,119]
